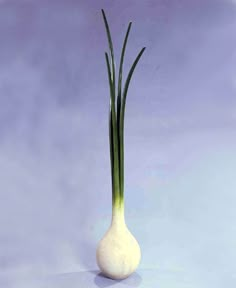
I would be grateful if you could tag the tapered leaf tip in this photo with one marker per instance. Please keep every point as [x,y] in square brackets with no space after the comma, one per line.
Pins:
[129,26]
[103,14]
[143,49]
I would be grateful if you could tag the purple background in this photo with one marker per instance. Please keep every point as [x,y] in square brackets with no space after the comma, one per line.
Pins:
[180,157]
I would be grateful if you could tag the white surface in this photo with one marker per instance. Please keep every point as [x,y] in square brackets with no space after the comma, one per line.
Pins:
[148,278]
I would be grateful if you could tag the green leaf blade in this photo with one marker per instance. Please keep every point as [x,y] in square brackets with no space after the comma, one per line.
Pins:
[113,141]
[121,69]
[122,115]
[119,95]
[111,49]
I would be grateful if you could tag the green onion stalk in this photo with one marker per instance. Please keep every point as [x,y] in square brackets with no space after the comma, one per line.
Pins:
[116,115]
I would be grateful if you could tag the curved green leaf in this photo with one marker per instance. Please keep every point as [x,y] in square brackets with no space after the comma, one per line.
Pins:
[122,114]
[113,141]
[111,50]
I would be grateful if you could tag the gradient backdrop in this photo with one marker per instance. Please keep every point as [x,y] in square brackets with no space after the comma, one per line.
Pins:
[180,142]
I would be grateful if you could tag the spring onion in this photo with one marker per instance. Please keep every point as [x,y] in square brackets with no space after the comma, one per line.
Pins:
[118,253]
